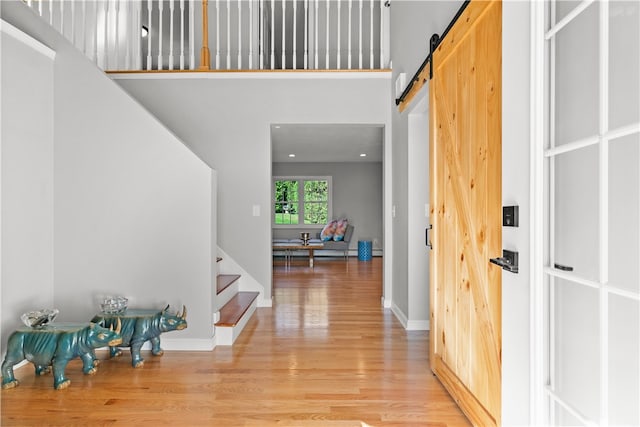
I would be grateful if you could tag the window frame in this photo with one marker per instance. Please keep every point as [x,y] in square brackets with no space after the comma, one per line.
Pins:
[301,179]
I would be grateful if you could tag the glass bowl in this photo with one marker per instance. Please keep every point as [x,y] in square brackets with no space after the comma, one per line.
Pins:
[39,318]
[114,305]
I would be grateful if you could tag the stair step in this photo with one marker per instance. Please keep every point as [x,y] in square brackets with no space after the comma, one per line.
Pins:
[223,281]
[233,311]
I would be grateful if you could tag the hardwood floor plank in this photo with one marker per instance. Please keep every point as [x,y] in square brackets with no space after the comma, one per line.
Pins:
[326,354]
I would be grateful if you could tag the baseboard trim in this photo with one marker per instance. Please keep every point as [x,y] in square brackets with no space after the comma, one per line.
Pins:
[409,325]
[177,344]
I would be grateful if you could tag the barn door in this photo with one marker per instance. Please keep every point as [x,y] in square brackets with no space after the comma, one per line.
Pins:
[466,182]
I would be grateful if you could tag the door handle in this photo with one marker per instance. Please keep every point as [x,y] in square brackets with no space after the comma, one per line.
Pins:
[508,261]
[426,237]
[563,267]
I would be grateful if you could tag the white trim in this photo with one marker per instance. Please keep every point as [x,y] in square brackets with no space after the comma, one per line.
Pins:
[557,399]
[175,344]
[257,75]
[537,406]
[568,18]
[417,325]
[25,38]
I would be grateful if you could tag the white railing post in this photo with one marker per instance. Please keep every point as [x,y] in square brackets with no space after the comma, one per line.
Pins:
[171,11]
[251,34]
[105,48]
[50,11]
[116,40]
[339,26]
[160,10]
[306,32]
[382,35]
[371,37]
[360,38]
[261,36]
[349,32]
[129,19]
[94,43]
[73,22]
[228,34]
[315,56]
[149,60]
[273,33]
[326,60]
[217,34]
[240,34]
[192,37]
[295,33]
[61,15]
[182,34]
[284,39]
[84,27]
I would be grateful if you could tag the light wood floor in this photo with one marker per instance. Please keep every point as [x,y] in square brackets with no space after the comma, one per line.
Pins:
[326,354]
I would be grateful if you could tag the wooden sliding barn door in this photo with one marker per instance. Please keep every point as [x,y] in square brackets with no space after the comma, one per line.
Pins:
[466,214]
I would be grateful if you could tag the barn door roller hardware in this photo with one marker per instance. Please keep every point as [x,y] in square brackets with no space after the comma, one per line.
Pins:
[434,42]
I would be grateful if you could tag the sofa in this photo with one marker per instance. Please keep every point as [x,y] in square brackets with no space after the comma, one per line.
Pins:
[331,245]
[341,245]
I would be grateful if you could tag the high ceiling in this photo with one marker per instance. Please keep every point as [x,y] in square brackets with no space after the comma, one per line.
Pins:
[326,143]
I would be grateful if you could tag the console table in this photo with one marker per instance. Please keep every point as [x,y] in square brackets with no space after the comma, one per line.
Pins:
[289,248]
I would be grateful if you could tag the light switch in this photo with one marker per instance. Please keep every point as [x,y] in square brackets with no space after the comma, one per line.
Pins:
[256,210]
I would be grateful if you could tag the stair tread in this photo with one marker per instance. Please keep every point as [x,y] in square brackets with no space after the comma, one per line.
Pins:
[233,311]
[223,281]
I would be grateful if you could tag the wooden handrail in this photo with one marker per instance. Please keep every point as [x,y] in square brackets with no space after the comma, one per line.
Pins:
[205,60]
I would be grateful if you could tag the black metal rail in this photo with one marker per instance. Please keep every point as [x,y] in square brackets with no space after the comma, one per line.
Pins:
[434,42]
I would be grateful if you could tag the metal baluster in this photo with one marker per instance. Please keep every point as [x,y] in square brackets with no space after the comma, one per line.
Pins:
[84,27]
[73,23]
[382,33]
[50,11]
[61,15]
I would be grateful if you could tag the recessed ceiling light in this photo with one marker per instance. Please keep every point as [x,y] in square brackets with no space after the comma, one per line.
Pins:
[277,126]
[292,155]
[363,155]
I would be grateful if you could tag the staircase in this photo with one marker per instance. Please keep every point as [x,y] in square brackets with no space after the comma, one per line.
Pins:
[235,307]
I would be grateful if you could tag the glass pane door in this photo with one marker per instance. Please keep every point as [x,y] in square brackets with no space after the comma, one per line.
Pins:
[592,162]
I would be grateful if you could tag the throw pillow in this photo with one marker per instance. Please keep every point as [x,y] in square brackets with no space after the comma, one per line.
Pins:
[328,231]
[341,228]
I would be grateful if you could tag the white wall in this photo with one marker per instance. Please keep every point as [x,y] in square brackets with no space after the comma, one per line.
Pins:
[515,191]
[357,196]
[132,204]
[226,118]
[26,144]
[412,24]
[418,213]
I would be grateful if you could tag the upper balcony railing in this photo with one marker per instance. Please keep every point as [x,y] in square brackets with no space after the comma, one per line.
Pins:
[148,35]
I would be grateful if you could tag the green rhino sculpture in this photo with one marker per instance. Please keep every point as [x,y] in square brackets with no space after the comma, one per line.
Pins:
[56,344]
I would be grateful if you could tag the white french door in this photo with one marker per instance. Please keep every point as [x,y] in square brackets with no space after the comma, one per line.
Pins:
[591,212]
